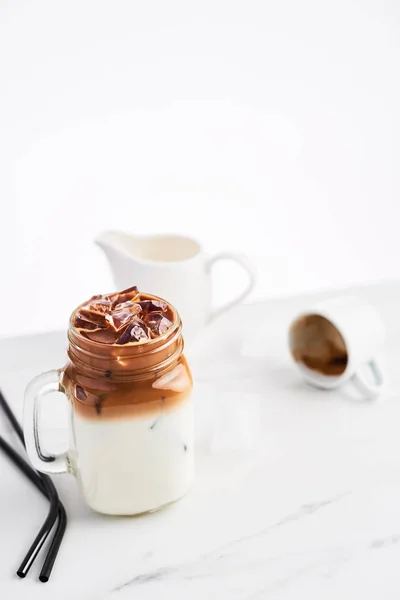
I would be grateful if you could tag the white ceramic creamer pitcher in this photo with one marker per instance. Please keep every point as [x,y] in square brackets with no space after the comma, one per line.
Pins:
[174,267]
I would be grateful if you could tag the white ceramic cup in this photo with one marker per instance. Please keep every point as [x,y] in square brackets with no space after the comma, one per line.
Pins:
[354,342]
[174,267]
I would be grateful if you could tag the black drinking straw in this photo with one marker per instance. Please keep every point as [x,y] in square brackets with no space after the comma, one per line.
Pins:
[55,545]
[46,486]
[42,487]
[43,533]
[22,465]
[48,490]
[12,418]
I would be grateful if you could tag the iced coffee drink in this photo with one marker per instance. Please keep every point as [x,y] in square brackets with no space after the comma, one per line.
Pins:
[130,391]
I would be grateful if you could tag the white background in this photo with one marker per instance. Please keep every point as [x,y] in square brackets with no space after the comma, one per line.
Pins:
[268,127]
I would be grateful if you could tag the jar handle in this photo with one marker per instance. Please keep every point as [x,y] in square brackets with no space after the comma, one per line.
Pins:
[39,387]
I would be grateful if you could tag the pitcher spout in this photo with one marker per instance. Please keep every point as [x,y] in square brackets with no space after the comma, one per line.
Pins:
[114,241]
[120,251]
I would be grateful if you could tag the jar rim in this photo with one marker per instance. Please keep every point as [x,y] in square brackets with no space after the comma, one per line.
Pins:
[147,343]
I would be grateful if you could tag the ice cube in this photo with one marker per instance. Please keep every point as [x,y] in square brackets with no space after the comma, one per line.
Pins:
[95,310]
[81,323]
[80,393]
[157,323]
[135,331]
[97,305]
[130,294]
[129,305]
[122,314]
[153,306]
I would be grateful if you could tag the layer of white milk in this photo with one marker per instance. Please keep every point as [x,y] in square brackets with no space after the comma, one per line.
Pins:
[133,465]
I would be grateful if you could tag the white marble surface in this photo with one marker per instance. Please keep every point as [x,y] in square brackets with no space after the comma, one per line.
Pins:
[312,511]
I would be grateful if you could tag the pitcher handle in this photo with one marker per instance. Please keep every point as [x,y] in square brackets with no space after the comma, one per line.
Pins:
[245,263]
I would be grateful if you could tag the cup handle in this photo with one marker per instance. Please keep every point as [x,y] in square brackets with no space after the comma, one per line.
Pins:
[38,388]
[368,388]
[245,263]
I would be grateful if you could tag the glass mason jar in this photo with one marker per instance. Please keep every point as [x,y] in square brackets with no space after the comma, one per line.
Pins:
[131,421]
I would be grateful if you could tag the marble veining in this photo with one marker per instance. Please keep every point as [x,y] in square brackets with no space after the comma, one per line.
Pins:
[214,561]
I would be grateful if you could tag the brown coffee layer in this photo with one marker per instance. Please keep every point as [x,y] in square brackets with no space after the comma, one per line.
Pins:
[315,342]
[104,398]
